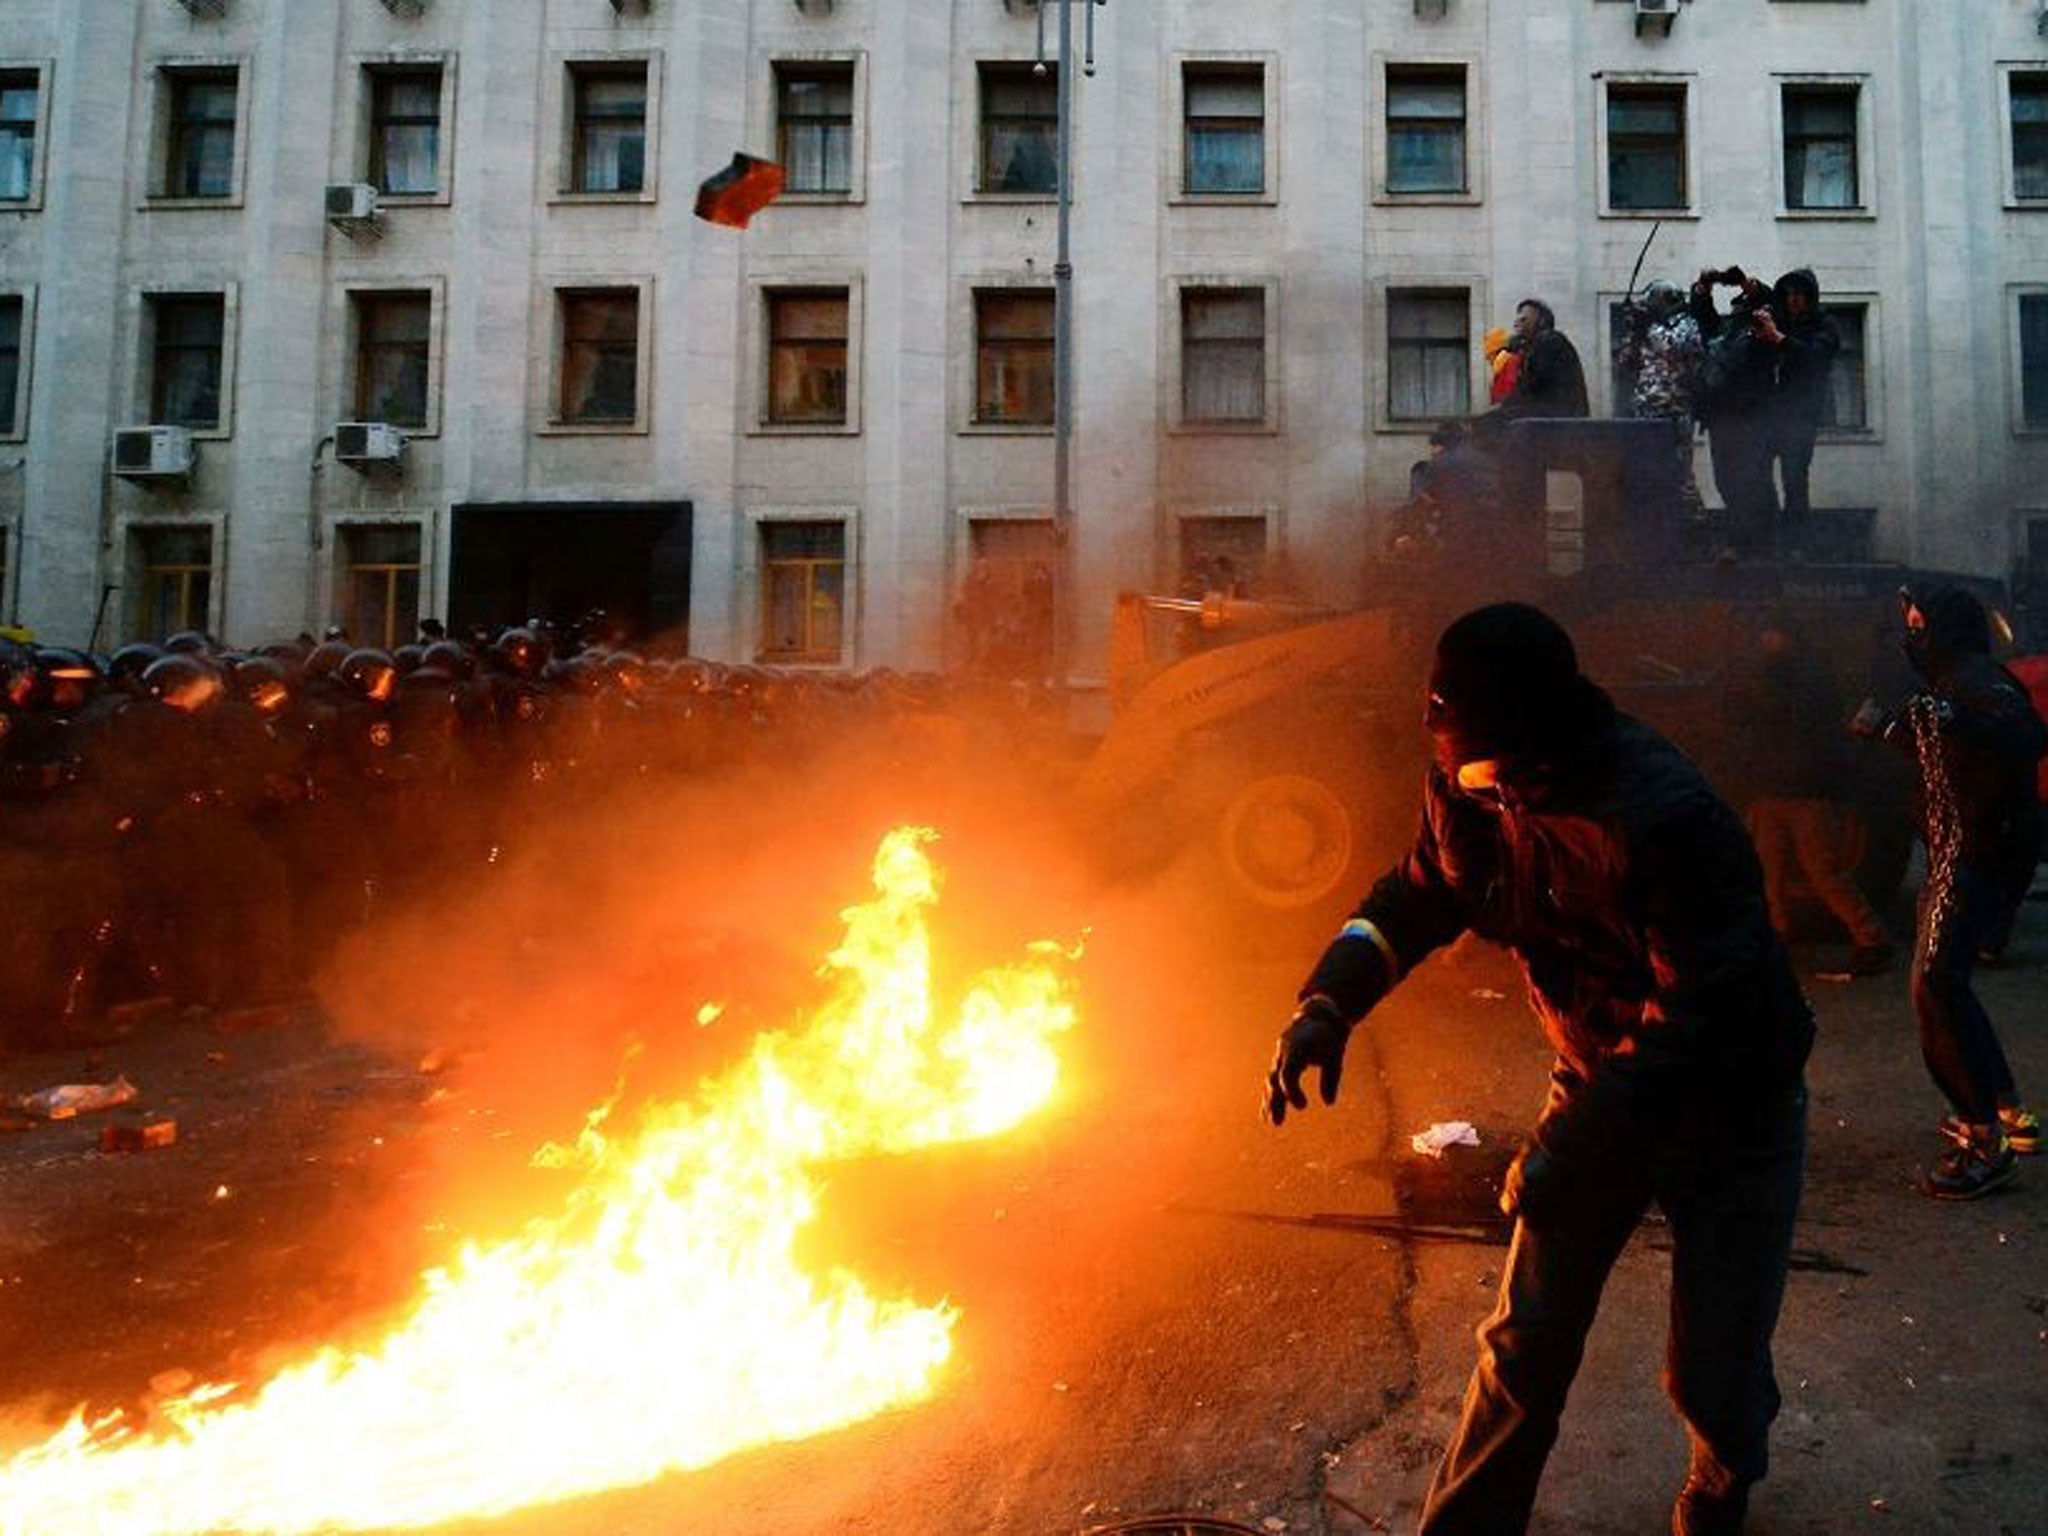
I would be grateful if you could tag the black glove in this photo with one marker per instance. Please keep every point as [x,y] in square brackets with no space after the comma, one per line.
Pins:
[1315,1037]
[1529,1188]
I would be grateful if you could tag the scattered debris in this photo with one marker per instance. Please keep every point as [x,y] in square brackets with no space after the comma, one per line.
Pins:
[138,1138]
[1445,1133]
[69,1099]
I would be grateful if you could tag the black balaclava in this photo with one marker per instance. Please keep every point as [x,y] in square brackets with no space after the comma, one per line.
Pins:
[1957,626]
[1505,686]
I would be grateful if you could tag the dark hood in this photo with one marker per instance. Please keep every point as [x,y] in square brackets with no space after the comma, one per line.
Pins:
[1798,280]
[1957,627]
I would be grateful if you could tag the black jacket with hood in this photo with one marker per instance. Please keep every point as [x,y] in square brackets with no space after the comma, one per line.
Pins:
[1806,357]
[1633,898]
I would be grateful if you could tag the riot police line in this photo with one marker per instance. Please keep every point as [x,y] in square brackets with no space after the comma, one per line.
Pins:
[184,823]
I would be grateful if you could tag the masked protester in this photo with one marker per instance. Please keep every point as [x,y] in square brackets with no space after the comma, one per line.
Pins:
[1662,350]
[1550,381]
[1587,844]
[1805,341]
[1975,738]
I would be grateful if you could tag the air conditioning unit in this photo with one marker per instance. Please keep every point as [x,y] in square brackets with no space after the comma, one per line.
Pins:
[632,7]
[206,10]
[352,207]
[1431,10]
[1654,17]
[814,7]
[153,453]
[406,10]
[368,444]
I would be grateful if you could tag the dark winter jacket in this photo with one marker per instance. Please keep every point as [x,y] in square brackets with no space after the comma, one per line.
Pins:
[1806,357]
[1633,899]
[1551,381]
[1987,740]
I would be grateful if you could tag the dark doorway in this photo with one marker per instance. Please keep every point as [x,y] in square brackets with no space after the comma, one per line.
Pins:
[558,560]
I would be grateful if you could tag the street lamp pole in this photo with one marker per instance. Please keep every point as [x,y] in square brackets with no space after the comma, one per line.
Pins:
[1063,321]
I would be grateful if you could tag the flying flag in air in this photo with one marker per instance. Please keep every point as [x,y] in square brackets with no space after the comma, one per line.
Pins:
[735,194]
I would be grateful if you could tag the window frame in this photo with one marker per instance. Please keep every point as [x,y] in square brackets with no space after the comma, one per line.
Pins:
[768,115]
[1645,81]
[2016,365]
[1865,207]
[762,290]
[344,531]
[1380,141]
[44,71]
[1872,430]
[1269,515]
[348,388]
[1221,62]
[961,553]
[143,302]
[994,426]
[979,68]
[1379,381]
[370,68]
[566,68]
[751,575]
[15,430]
[2007,137]
[1429,420]
[168,74]
[1173,377]
[134,532]
[549,421]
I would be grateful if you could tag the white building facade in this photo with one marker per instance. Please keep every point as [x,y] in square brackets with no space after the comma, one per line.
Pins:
[827,439]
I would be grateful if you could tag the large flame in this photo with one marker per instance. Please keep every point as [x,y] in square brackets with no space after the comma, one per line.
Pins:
[659,1322]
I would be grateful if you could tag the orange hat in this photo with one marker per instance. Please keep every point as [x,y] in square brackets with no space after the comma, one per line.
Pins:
[1495,341]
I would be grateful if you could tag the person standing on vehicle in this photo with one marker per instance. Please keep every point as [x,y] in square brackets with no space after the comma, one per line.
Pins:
[1806,342]
[1976,738]
[1735,386]
[1795,768]
[1550,381]
[1590,846]
[1662,352]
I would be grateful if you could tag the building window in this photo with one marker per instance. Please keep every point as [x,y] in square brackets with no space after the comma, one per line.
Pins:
[1223,355]
[188,333]
[200,149]
[600,355]
[1020,118]
[807,330]
[610,135]
[2034,361]
[1820,147]
[405,131]
[803,591]
[1645,146]
[1225,148]
[176,590]
[1222,554]
[1428,350]
[394,333]
[378,601]
[1426,129]
[814,127]
[1013,340]
[10,365]
[1009,599]
[1847,406]
[19,101]
[2029,135]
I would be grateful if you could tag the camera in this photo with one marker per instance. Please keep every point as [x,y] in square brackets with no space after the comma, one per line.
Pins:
[1728,277]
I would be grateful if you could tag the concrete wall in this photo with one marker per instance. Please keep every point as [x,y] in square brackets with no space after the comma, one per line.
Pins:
[1937,252]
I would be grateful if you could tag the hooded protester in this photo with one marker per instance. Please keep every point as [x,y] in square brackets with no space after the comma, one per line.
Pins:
[1587,844]
[1806,343]
[1733,398]
[1975,738]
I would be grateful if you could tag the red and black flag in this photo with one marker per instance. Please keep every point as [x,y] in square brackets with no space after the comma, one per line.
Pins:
[740,191]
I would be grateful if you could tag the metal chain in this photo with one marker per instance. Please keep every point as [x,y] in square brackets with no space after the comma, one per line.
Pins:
[1944,818]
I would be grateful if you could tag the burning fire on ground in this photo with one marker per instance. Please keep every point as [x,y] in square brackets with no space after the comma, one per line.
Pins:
[658,1323]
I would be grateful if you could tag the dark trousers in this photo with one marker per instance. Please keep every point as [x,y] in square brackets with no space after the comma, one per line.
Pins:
[1792,447]
[1729,1186]
[1957,1041]
[1741,450]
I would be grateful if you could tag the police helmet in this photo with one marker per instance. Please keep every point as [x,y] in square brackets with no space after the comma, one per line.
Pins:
[183,682]
[369,672]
